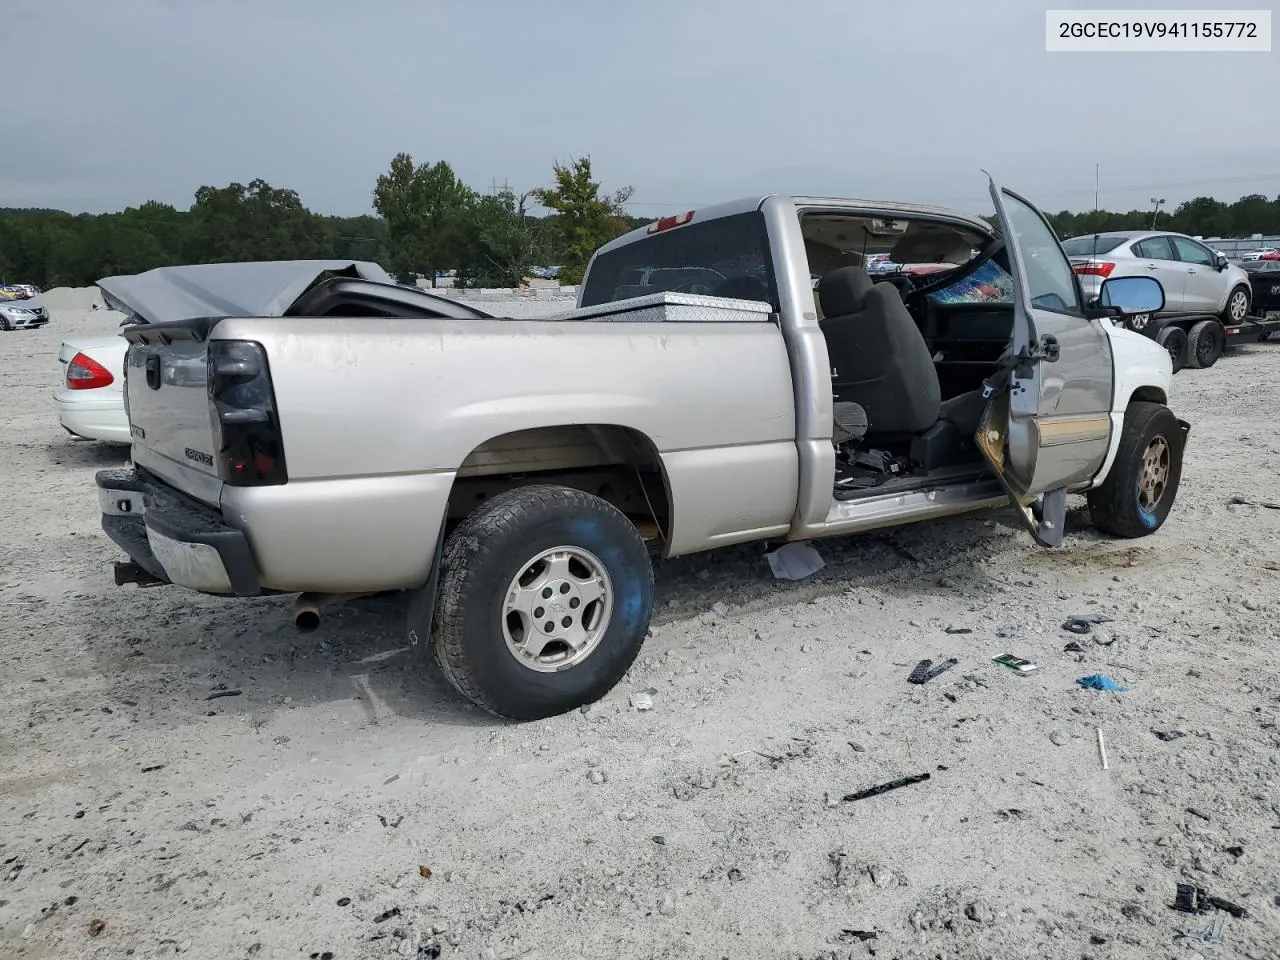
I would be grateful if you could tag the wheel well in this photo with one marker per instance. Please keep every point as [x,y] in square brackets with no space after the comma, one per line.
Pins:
[1149,395]
[618,464]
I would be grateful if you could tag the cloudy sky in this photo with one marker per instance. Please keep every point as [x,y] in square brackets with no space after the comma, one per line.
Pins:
[114,102]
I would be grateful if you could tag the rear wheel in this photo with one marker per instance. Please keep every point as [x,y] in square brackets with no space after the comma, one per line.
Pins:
[1138,494]
[1174,339]
[544,600]
[1206,343]
[1237,306]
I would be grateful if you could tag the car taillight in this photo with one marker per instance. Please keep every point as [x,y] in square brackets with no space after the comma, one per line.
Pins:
[666,223]
[1094,268]
[242,408]
[86,373]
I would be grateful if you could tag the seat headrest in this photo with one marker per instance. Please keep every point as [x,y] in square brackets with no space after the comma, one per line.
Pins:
[843,291]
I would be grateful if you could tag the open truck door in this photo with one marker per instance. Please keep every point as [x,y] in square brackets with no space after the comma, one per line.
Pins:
[1047,423]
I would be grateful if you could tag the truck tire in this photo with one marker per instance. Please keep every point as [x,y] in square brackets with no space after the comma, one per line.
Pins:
[544,601]
[1205,344]
[1237,307]
[1174,339]
[1136,497]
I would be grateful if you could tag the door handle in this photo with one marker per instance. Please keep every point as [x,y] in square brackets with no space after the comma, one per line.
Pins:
[1152,266]
[1192,270]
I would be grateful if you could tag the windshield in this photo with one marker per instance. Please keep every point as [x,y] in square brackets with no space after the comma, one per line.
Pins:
[1093,243]
[725,257]
[990,283]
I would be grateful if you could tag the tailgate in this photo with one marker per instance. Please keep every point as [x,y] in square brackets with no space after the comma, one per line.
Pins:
[167,393]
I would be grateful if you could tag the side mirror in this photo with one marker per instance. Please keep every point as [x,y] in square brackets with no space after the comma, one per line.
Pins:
[1124,296]
[1221,263]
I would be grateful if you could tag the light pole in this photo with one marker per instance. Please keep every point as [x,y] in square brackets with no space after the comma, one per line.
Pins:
[1097,178]
[1155,210]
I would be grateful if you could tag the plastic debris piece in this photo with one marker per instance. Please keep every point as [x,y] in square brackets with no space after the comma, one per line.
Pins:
[224,693]
[96,927]
[1014,663]
[795,561]
[957,631]
[926,670]
[424,872]
[1073,647]
[885,787]
[1102,748]
[643,699]
[1099,681]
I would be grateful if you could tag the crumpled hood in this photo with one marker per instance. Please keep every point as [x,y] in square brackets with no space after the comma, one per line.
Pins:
[256,289]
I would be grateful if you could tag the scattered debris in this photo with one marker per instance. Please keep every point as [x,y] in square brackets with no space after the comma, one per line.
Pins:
[643,699]
[957,631]
[667,904]
[857,747]
[387,915]
[391,821]
[391,779]
[1168,735]
[1015,663]
[153,769]
[596,775]
[885,787]
[979,912]
[926,671]
[344,901]
[96,927]
[720,609]
[1099,681]
[1197,812]
[424,872]
[660,840]
[1059,738]
[1073,647]
[224,693]
[735,875]
[1013,813]
[860,936]
[1193,899]
[1102,748]
[1077,625]
[1236,851]
[795,561]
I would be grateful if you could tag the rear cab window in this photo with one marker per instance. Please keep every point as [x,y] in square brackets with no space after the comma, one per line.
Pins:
[723,257]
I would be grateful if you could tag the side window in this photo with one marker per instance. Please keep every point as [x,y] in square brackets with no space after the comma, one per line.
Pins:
[1191,252]
[1049,275]
[1155,248]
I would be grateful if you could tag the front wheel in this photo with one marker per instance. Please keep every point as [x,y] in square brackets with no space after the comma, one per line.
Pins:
[1237,306]
[1135,499]
[544,601]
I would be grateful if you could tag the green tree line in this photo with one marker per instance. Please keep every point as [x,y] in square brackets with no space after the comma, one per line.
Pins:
[427,220]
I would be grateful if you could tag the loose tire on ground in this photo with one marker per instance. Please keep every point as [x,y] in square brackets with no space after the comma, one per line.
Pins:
[1135,499]
[1237,307]
[1206,342]
[1174,340]
[544,601]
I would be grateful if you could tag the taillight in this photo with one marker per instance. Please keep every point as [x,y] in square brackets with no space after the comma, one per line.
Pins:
[666,223]
[242,408]
[86,373]
[1094,268]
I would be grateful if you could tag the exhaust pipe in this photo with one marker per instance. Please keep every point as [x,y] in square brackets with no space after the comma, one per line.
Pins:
[306,609]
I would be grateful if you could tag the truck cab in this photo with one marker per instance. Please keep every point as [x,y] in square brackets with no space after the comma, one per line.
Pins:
[971,373]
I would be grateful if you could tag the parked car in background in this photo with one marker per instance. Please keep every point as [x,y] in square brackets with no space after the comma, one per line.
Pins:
[1270,255]
[8,292]
[90,402]
[1195,278]
[29,290]
[16,314]
[1264,252]
[1264,275]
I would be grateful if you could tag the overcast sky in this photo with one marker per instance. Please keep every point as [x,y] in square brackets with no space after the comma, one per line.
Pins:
[114,102]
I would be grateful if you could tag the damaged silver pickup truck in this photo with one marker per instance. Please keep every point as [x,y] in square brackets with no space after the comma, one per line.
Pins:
[729,374]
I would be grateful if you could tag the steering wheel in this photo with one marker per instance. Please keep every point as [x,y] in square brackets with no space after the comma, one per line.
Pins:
[692,286]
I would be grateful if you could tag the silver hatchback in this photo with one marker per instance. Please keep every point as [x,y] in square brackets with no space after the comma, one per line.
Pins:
[1195,278]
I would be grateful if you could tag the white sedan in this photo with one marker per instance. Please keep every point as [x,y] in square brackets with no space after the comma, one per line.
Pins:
[91,401]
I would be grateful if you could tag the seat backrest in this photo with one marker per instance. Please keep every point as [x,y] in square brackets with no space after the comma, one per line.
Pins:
[878,356]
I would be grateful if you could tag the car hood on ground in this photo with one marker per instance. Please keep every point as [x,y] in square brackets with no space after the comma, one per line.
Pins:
[256,289]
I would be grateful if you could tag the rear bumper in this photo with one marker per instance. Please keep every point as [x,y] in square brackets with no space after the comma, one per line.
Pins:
[175,539]
[93,418]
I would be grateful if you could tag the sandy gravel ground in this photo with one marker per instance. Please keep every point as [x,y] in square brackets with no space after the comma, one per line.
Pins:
[142,816]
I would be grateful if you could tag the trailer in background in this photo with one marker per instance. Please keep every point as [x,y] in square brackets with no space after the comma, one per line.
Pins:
[1198,340]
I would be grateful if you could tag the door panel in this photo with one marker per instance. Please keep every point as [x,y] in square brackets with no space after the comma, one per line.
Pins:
[1163,264]
[1201,277]
[1054,425]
